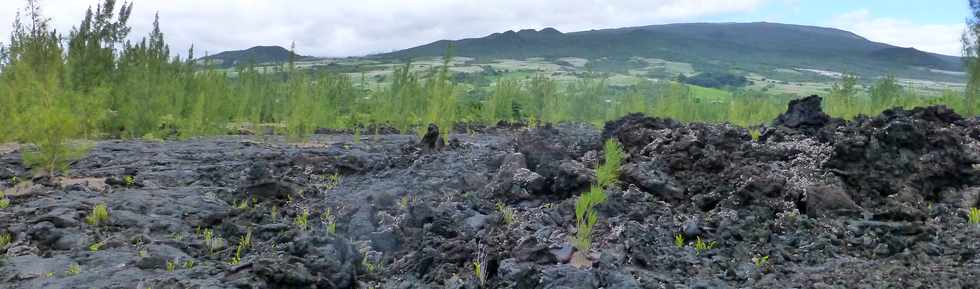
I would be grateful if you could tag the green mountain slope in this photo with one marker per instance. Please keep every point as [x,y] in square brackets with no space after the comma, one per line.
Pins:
[752,47]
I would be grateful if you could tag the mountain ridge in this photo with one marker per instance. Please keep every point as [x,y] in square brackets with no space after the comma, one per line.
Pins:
[749,46]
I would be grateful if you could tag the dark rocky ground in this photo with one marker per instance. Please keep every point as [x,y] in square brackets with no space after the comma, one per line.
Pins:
[873,203]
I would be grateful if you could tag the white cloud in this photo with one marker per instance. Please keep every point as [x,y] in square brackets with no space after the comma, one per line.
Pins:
[938,38]
[358,27]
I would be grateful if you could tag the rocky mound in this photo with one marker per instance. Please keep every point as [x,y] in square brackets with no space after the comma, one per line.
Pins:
[817,202]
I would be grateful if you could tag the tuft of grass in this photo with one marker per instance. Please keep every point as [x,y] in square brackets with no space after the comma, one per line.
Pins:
[303,220]
[679,240]
[506,212]
[189,264]
[371,267]
[95,247]
[608,173]
[332,182]
[129,181]
[701,246]
[756,133]
[99,215]
[243,205]
[4,201]
[974,216]
[209,240]
[479,271]
[171,265]
[5,239]
[329,220]
[586,217]
[760,261]
[73,269]
[274,213]
[406,201]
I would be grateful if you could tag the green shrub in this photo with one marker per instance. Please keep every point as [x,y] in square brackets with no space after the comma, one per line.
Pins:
[51,131]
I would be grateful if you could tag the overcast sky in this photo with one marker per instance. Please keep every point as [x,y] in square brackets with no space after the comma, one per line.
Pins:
[359,27]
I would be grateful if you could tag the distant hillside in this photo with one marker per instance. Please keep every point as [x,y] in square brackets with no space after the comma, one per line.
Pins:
[257,54]
[755,47]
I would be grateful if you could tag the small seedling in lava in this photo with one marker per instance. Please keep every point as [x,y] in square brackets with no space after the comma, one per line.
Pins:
[4,201]
[760,261]
[243,205]
[700,245]
[679,240]
[586,217]
[73,269]
[99,215]
[506,212]
[171,265]
[329,220]
[5,240]
[129,181]
[974,216]
[209,240]
[303,220]
[95,247]
[188,264]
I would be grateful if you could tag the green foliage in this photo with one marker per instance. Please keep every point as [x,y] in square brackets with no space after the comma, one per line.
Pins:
[586,217]
[679,240]
[479,273]
[50,130]
[971,57]
[98,216]
[171,265]
[209,241]
[841,100]
[302,221]
[129,181]
[96,84]
[5,240]
[701,246]
[329,220]
[244,242]
[73,270]
[885,92]
[974,216]
[506,212]
[608,173]
[4,201]
[95,247]
[760,261]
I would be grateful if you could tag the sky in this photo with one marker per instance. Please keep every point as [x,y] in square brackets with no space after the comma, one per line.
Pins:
[336,28]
